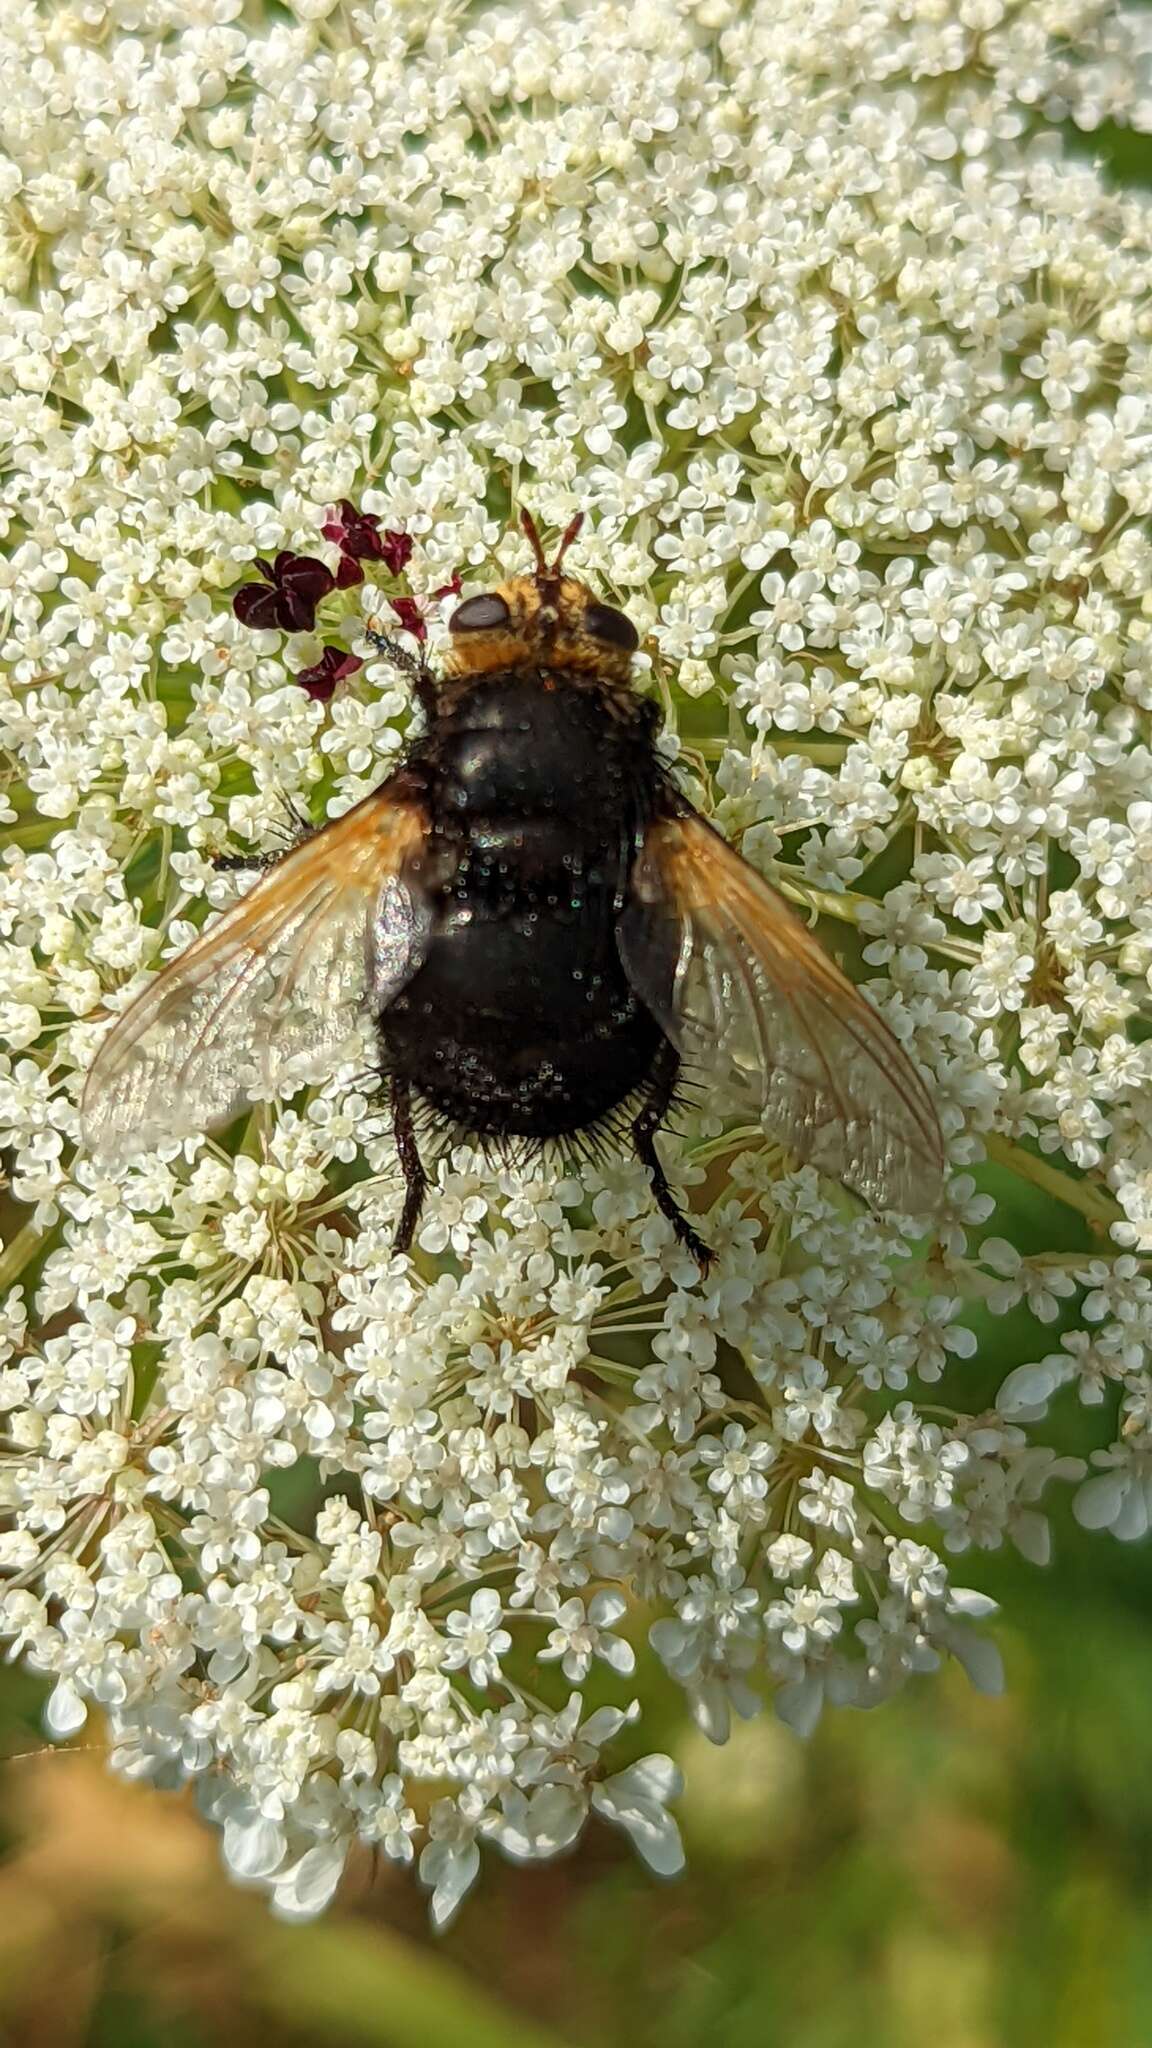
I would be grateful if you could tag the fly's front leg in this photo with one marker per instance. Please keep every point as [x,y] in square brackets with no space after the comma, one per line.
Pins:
[414,666]
[242,863]
[294,829]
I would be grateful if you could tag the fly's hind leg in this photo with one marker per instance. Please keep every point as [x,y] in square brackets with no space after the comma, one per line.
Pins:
[661,1090]
[411,1166]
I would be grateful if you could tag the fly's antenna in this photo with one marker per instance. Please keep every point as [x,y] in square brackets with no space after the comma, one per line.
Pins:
[530,528]
[566,540]
[543,567]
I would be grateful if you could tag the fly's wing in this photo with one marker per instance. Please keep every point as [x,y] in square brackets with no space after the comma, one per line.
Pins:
[754,1004]
[266,996]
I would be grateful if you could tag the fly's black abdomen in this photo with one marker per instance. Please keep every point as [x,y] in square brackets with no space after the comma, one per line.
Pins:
[577,1049]
[521,1020]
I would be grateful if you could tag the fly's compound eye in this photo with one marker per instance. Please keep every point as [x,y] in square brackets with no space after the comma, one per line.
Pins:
[605,624]
[478,614]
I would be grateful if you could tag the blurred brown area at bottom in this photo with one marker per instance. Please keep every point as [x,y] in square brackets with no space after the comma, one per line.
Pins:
[114,1899]
[98,1864]
[976,1873]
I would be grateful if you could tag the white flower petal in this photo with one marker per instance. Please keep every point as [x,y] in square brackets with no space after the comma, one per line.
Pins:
[304,1890]
[1099,1502]
[450,1869]
[633,1800]
[253,1846]
[64,1710]
[800,1703]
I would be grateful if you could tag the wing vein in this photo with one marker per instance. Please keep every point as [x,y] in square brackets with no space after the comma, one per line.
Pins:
[267,991]
[829,1078]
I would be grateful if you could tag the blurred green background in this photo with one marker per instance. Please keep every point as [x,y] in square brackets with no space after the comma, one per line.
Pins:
[950,1869]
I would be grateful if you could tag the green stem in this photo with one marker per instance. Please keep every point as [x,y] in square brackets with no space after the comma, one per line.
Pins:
[826,902]
[19,1254]
[29,832]
[730,1141]
[365,1983]
[1081,1195]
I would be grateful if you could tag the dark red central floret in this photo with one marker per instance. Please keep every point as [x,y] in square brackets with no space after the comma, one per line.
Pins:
[295,585]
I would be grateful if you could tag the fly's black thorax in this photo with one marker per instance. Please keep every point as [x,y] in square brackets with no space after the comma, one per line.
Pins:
[538,745]
[537,787]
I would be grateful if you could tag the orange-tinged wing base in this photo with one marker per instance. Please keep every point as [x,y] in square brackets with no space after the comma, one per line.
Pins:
[261,1000]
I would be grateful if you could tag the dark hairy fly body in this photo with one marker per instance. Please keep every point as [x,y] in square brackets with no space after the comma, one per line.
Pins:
[546,935]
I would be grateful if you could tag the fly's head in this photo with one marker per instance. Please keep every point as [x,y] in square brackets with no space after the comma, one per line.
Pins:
[544,620]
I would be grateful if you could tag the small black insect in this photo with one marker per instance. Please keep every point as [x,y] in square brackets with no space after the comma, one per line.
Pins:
[546,932]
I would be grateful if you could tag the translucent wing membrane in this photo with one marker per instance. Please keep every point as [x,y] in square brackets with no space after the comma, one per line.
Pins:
[755,1006]
[259,1003]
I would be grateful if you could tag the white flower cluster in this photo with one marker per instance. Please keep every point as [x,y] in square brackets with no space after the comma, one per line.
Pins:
[851,369]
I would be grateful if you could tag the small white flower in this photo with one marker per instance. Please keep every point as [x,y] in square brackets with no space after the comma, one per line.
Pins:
[578,1634]
[450,1862]
[479,1641]
[636,1800]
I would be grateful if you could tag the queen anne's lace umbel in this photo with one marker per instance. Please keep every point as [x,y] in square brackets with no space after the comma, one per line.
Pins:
[848,364]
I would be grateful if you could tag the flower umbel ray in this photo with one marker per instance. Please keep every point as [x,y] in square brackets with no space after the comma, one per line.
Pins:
[847,367]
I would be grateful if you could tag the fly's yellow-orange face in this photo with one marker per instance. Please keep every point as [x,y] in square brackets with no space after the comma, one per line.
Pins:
[543,621]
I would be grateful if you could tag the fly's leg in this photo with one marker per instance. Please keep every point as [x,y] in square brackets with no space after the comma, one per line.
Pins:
[242,863]
[295,828]
[412,665]
[661,1090]
[411,1166]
